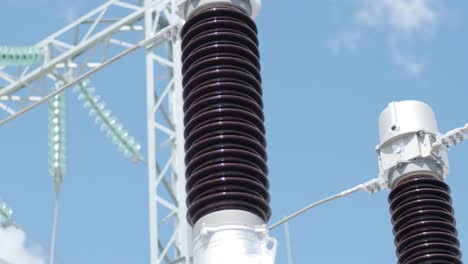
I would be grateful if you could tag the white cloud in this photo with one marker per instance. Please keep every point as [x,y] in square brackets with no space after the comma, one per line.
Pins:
[399,16]
[401,22]
[14,248]
[410,65]
[346,40]
[69,11]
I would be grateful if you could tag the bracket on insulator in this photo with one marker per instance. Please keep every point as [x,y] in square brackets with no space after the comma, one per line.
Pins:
[410,144]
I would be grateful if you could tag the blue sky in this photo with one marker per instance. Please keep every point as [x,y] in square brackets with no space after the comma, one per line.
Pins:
[329,68]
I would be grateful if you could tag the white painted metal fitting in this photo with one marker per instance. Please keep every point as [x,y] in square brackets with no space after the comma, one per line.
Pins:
[188,7]
[232,237]
[408,142]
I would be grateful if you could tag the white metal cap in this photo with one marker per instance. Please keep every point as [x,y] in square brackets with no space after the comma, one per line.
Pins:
[186,8]
[408,142]
[404,117]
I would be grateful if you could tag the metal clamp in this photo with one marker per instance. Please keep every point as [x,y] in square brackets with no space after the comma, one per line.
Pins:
[375,185]
[454,137]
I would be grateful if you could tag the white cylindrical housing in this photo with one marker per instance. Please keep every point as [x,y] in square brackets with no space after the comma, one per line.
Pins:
[232,237]
[404,117]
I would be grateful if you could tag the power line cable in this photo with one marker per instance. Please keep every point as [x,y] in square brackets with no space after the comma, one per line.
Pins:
[360,187]
[54,229]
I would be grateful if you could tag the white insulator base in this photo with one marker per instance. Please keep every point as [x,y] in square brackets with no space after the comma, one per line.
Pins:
[232,237]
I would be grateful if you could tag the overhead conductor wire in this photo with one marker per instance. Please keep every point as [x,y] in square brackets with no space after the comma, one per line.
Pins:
[360,187]
[54,229]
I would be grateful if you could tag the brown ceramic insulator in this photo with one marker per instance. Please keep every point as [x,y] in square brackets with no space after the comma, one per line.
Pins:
[423,221]
[224,121]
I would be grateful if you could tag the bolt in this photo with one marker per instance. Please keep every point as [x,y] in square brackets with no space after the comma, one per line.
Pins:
[398,149]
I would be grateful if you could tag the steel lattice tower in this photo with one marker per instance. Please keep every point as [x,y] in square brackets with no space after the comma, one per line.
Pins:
[96,40]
